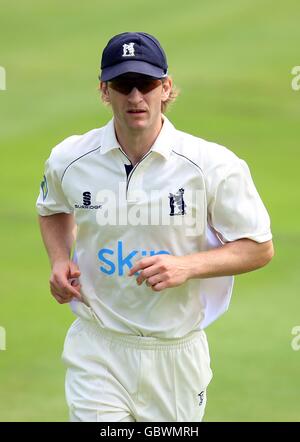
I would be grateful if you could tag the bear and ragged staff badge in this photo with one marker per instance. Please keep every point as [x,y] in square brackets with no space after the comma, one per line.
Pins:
[177,204]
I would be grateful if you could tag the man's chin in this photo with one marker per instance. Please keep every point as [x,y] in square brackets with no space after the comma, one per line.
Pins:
[138,123]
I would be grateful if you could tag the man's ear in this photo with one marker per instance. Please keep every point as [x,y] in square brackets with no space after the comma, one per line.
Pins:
[167,87]
[104,91]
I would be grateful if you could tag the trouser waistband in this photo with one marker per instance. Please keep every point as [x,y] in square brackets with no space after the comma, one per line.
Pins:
[94,326]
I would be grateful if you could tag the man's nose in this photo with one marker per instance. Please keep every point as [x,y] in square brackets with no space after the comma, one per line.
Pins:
[135,95]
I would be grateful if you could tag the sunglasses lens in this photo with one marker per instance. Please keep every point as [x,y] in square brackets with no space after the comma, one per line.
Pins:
[143,84]
[149,85]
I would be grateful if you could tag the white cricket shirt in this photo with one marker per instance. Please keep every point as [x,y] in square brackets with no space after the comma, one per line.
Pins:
[186,195]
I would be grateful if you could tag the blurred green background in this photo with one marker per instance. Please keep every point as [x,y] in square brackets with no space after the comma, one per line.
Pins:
[232,61]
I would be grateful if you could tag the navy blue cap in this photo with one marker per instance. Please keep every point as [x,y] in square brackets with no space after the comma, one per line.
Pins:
[133,52]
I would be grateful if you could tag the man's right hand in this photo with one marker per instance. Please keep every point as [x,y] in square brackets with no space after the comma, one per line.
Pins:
[64,284]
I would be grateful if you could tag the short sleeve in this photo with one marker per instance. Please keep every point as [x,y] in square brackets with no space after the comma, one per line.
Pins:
[236,210]
[52,199]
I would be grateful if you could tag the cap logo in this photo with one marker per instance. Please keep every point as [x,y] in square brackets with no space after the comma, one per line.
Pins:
[128,50]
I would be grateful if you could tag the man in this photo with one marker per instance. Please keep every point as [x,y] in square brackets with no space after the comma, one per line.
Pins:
[164,220]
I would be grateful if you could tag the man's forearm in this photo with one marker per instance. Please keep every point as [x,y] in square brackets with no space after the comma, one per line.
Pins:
[58,235]
[232,258]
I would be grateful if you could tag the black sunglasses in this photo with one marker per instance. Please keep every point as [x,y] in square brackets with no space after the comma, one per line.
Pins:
[125,83]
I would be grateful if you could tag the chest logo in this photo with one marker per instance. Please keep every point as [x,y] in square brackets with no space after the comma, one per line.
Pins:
[87,202]
[177,204]
[87,198]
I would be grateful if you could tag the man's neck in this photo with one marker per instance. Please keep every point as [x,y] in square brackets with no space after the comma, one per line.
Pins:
[137,143]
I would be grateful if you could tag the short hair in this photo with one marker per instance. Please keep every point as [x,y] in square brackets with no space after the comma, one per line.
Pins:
[172,97]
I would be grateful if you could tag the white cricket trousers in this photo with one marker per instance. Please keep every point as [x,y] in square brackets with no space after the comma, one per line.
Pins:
[122,378]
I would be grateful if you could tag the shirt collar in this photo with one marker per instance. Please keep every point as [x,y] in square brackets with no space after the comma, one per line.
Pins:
[164,142]
[109,140]
[162,145]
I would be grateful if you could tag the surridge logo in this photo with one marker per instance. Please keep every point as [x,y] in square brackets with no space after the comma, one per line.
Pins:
[87,202]
[128,50]
[87,198]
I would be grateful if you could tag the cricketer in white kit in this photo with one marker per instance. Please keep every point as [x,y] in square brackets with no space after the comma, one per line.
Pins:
[164,219]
